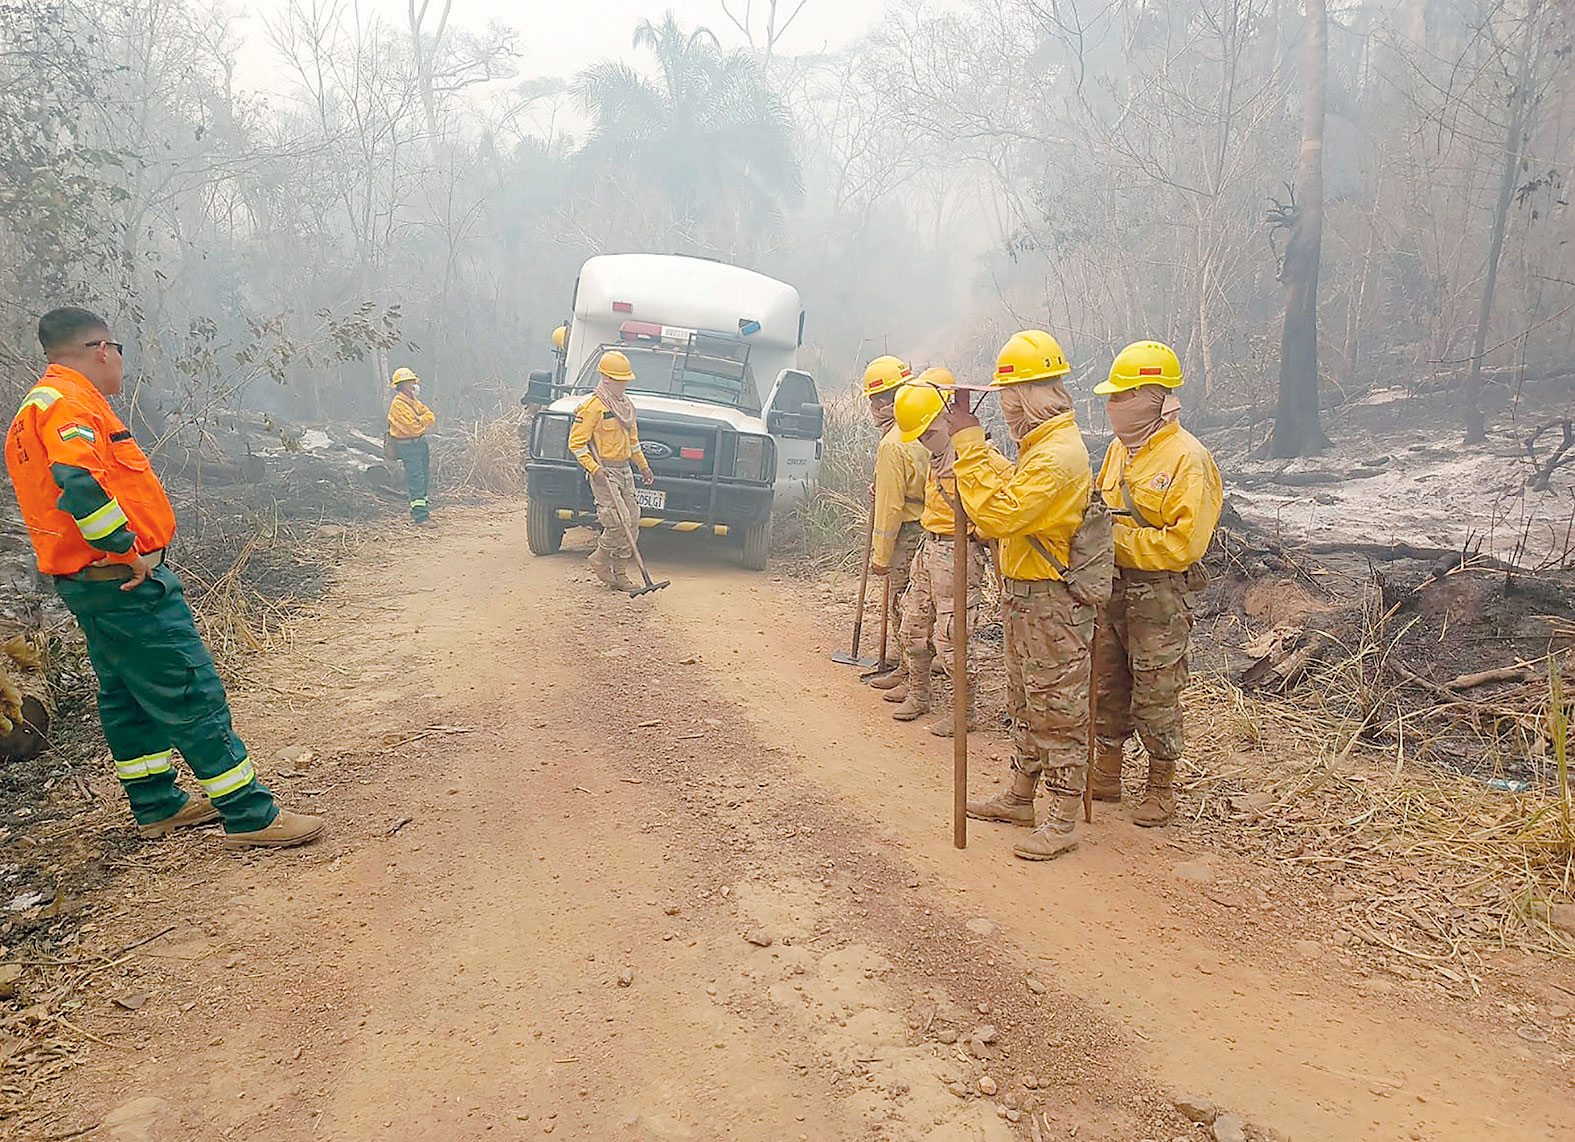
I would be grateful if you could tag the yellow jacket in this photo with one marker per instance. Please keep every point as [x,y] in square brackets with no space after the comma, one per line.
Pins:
[1044,495]
[938,514]
[899,491]
[598,438]
[408,418]
[1175,483]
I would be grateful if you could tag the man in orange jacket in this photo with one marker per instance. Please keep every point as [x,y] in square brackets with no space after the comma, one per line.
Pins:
[100,524]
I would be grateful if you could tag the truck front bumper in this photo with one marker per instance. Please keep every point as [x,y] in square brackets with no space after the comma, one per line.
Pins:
[692,504]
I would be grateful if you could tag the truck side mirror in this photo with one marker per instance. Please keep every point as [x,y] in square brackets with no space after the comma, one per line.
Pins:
[539,388]
[808,423]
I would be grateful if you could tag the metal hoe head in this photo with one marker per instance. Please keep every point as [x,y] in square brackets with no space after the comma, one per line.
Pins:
[844,658]
[649,587]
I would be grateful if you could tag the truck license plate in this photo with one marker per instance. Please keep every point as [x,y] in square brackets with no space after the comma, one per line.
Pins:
[653,499]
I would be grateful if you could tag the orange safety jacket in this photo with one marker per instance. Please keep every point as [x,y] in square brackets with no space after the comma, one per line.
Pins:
[86,490]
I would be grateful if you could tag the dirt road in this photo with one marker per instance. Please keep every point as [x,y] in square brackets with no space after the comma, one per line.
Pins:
[656,869]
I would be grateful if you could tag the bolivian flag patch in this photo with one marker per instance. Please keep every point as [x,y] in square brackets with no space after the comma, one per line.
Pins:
[78,432]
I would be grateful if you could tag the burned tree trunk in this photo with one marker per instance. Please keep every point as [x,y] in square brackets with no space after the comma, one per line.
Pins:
[1297,431]
[1514,135]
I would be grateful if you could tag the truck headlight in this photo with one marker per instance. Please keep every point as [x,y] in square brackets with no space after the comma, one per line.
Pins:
[552,437]
[752,458]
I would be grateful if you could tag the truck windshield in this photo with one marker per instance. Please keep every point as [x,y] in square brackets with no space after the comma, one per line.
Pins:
[688,376]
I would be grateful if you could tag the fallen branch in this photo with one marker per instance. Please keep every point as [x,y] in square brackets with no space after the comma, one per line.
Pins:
[1485,677]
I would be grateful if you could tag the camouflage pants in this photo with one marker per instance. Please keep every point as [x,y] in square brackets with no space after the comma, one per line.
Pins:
[614,539]
[1141,668]
[928,609]
[1047,641]
[900,573]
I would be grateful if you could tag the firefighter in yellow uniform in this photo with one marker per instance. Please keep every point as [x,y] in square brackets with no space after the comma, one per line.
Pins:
[899,502]
[1033,508]
[1165,491]
[605,438]
[408,422]
[929,609]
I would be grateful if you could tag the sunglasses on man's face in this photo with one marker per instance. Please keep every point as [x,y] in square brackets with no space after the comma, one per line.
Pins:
[115,345]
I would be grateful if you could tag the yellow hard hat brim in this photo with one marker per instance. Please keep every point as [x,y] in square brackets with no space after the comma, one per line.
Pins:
[1127,384]
[621,376]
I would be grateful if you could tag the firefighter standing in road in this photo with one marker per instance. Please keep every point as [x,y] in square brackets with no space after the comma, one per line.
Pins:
[1033,508]
[408,421]
[898,503]
[100,523]
[604,439]
[1165,490]
[928,610]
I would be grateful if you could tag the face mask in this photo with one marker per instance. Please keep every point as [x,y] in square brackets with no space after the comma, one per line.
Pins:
[885,414]
[1139,416]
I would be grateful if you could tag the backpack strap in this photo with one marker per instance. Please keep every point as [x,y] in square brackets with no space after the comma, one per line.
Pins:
[1132,509]
[1045,554]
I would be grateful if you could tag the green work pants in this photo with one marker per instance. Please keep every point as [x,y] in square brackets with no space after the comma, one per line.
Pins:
[157,691]
[416,456]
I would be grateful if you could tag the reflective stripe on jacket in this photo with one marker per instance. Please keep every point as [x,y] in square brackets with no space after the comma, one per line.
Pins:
[86,490]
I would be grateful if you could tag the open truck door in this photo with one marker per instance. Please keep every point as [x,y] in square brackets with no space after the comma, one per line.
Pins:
[796,421]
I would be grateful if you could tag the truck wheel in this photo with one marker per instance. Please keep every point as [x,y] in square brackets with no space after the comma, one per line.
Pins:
[757,545]
[543,528]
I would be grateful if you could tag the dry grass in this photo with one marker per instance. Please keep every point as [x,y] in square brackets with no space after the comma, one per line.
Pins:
[1429,866]
[482,457]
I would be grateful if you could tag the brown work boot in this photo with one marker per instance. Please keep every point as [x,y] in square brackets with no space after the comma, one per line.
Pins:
[897,677]
[1014,804]
[287,829]
[1159,799]
[916,699]
[1106,777]
[943,726]
[601,564]
[1058,832]
[197,811]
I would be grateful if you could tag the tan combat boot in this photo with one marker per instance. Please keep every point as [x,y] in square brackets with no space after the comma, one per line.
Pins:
[1107,773]
[898,677]
[1014,804]
[943,726]
[916,695]
[287,829]
[601,565]
[621,577]
[197,811]
[1057,834]
[1159,799]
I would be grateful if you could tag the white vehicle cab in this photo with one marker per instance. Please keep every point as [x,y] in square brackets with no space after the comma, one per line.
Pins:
[729,423]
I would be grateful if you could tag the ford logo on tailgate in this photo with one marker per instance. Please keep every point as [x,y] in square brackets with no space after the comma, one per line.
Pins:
[656,450]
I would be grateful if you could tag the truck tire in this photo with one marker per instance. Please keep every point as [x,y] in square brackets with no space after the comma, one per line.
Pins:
[757,545]
[543,528]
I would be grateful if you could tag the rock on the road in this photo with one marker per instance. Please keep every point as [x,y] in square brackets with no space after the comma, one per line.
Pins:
[1230,1128]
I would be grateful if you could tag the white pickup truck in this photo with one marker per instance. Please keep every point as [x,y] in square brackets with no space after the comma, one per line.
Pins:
[730,424]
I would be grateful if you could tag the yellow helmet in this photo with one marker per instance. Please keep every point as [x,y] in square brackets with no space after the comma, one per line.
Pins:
[615,366]
[916,407]
[884,374]
[405,377]
[939,376]
[1032,355]
[1142,363]
[560,337]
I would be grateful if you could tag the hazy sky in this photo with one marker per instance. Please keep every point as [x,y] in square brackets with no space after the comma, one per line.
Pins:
[560,37]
